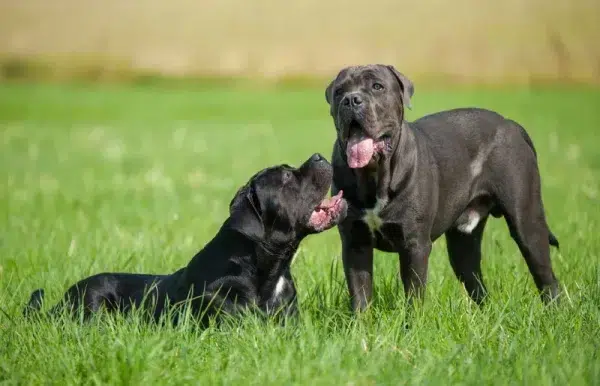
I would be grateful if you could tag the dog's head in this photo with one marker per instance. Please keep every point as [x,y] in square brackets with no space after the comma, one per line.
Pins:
[367,105]
[282,204]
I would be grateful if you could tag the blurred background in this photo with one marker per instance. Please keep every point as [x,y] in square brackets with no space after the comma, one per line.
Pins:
[459,41]
[126,127]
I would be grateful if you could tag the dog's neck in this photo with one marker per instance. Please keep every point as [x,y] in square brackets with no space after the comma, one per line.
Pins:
[375,182]
[403,160]
[403,157]
[268,261]
[238,252]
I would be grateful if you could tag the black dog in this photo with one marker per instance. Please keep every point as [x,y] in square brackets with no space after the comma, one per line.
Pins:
[246,265]
[408,183]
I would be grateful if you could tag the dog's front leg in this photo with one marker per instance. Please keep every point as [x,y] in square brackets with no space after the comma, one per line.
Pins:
[357,257]
[414,261]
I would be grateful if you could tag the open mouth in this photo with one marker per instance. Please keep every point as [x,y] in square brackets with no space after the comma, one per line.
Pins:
[361,149]
[354,127]
[327,212]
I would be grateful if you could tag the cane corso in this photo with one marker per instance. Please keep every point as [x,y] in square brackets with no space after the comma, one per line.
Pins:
[407,183]
[245,266]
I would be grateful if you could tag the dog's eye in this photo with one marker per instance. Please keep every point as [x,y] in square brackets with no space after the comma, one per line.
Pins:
[287,175]
[377,86]
[337,92]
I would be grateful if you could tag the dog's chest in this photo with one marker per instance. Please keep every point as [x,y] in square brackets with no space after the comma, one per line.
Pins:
[282,285]
[367,193]
[372,217]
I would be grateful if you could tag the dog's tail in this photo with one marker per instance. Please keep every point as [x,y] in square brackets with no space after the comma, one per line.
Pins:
[35,302]
[553,240]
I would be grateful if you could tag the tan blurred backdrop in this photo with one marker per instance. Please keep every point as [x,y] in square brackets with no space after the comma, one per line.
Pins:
[459,40]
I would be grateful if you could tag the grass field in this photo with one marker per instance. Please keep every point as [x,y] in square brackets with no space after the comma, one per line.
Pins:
[138,178]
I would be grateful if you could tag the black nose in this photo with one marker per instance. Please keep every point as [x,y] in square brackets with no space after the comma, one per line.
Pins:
[354,100]
[316,157]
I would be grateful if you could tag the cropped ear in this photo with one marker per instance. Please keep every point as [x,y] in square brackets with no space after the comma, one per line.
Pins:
[408,89]
[245,213]
[328,92]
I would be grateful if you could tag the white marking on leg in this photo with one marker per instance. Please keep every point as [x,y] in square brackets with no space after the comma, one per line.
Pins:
[279,287]
[477,164]
[483,154]
[469,226]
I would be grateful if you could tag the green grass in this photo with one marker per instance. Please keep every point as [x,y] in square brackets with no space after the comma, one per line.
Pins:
[120,178]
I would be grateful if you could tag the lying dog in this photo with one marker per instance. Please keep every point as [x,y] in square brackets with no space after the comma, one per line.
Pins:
[246,264]
[408,183]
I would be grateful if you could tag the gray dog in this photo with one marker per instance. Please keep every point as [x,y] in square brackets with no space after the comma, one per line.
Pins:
[407,183]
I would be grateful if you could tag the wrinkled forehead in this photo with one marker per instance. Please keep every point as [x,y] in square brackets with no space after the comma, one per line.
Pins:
[358,74]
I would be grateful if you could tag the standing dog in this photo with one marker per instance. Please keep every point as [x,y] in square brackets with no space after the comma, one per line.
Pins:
[407,183]
[246,264]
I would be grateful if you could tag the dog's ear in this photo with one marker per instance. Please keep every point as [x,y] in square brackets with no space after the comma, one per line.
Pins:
[408,89]
[245,213]
[328,92]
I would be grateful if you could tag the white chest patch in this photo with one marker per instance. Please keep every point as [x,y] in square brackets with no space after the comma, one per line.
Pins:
[472,221]
[371,217]
[279,287]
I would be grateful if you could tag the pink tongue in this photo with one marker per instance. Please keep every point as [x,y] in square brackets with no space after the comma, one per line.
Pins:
[329,202]
[359,151]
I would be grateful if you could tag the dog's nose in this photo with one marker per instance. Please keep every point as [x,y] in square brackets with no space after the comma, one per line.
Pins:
[354,99]
[316,157]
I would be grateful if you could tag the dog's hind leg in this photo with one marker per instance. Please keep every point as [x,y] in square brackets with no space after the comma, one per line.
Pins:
[88,296]
[464,251]
[72,301]
[529,230]
[521,203]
